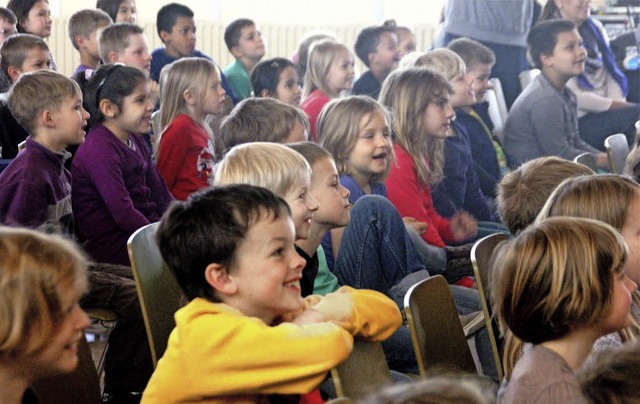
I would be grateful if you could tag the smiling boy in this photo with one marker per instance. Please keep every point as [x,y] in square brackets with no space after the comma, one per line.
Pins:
[543,120]
[377,48]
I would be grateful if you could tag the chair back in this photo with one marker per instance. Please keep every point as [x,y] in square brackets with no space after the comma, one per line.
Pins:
[587,159]
[527,76]
[158,290]
[364,372]
[617,151]
[438,339]
[480,258]
[497,107]
[155,123]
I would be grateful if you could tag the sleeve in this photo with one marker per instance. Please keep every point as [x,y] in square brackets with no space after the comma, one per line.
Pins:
[588,100]
[159,192]
[451,192]
[28,205]
[172,152]
[475,202]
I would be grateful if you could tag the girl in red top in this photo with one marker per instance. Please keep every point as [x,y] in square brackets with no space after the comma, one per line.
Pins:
[190,90]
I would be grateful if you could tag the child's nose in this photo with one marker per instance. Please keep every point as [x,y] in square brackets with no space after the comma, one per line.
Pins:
[312,204]
[631,285]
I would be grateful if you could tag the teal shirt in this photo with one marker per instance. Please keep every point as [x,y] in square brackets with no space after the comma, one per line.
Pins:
[326,281]
[239,79]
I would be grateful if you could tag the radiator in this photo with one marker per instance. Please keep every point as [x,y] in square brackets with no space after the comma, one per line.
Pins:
[281,40]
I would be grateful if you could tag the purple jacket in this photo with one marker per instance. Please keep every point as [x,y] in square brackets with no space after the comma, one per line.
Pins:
[116,190]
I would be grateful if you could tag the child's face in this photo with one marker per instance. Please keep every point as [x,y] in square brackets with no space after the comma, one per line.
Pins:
[135,114]
[568,56]
[37,59]
[127,12]
[463,94]
[297,134]
[631,233]
[387,56]
[69,119]
[61,353]
[267,270]
[341,73]
[406,43]
[371,154]
[6,30]
[575,10]
[619,316]
[479,75]
[250,45]
[436,118]
[288,90]
[38,21]
[213,102]
[90,44]
[137,53]
[303,206]
[181,41]
[332,197]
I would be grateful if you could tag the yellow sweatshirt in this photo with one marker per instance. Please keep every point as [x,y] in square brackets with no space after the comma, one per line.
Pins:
[216,354]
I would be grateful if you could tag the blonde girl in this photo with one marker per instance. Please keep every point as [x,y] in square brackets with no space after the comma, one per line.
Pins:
[422,113]
[190,91]
[42,278]
[329,73]
[559,285]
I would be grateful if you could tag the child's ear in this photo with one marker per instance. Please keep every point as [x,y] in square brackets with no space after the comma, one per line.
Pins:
[13,73]
[371,57]
[264,93]
[235,51]
[164,36]
[218,277]
[546,60]
[108,109]
[79,40]
[47,118]
[113,57]
[189,97]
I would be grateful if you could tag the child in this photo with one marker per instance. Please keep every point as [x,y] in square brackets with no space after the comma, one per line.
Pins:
[7,28]
[543,119]
[329,72]
[19,54]
[277,78]
[460,188]
[264,120]
[301,56]
[406,40]
[575,268]
[119,10]
[186,151]
[116,187]
[231,250]
[244,41]
[84,27]
[34,17]
[419,99]
[488,156]
[377,48]
[41,281]
[523,192]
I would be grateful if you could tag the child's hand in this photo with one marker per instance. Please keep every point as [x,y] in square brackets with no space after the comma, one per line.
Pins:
[154,92]
[463,226]
[420,227]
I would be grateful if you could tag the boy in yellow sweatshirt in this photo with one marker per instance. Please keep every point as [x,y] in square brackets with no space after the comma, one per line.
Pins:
[247,333]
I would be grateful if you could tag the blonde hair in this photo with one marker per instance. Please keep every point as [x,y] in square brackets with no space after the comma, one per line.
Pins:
[554,276]
[33,268]
[339,126]
[407,94]
[322,54]
[269,165]
[442,60]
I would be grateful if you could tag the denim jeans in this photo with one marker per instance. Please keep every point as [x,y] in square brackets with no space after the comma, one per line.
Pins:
[596,127]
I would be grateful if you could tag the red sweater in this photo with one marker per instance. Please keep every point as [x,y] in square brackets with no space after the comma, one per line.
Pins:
[312,105]
[185,157]
[413,200]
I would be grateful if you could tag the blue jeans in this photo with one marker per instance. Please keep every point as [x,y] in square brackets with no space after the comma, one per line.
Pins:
[596,127]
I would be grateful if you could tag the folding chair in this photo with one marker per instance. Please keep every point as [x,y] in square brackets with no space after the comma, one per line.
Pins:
[587,159]
[617,151]
[364,372]
[527,76]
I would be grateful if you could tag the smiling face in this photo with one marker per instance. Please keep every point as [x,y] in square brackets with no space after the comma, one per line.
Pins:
[288,90]
[136,54]
[479,76]
[38,21]
[371,155]
[387,56]
[332,197]
[267,270]
[463,94]
[181,41]
[127,12]
[568,57]
[302,205]
[436,118]
[575,10]
[340,75]
[134,116]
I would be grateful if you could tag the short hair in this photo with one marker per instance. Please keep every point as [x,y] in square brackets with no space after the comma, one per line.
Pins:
[36,91]
[442,60]
[7,15]
[84,22]
[111,82]
[14,50]
[368,39]
[555,276]
[522,193]
[110,7]
[339,127]
[232,32]
[115,38]
[169,14]
[543,37]
[472,52]
[407,94]
[270,165]
[208,227]
[610,375]
[33,267]
[303,52]
[21,10]
[266,75]
[261,120]
[311,151]
[321,55]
